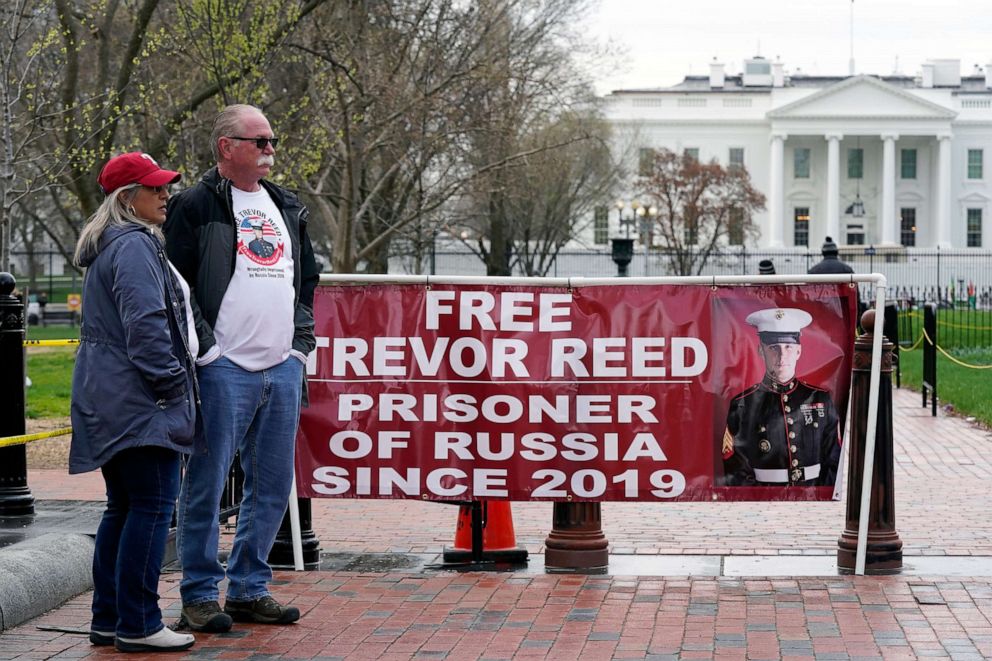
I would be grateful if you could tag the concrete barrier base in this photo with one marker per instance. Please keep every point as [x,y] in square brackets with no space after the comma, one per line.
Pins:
[41,573]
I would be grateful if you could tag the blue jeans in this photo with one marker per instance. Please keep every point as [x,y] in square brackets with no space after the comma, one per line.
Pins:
[255,413]
[142,484]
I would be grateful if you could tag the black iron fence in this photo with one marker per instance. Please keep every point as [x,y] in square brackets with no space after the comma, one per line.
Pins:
[960,325]
[951,270]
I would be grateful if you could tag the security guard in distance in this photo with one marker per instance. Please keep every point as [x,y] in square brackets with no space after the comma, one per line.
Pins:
[781,431]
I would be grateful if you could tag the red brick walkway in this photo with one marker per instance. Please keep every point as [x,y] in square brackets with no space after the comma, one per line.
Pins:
[943,503]
[509,616]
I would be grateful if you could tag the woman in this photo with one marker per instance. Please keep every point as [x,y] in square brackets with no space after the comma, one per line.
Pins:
[133,398]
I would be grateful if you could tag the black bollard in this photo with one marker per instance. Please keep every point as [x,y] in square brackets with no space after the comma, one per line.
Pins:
[281,555]
[15,497]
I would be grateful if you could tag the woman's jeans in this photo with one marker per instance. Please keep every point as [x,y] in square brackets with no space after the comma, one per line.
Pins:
[142,485]
[255,413]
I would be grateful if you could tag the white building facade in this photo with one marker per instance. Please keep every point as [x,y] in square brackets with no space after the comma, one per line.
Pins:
[889,161]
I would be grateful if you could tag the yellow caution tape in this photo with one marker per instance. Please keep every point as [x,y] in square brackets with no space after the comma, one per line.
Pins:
[919,341]
[943,322]
[964,326]
[952,358]
[49,343]
[27,438]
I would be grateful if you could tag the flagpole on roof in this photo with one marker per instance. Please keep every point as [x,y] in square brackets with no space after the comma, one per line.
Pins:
[850,62]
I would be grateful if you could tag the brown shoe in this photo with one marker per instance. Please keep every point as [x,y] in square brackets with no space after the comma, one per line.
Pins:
[264,610]
[206,617]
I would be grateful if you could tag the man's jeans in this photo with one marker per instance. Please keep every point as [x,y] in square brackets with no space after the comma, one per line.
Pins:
[142,483]
[257,414]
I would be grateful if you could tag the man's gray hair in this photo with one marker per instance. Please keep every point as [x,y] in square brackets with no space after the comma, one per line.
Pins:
[228,123]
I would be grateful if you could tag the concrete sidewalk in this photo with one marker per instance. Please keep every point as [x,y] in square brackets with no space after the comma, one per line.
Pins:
[687,580]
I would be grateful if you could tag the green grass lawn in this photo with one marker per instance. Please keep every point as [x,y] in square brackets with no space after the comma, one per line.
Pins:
[52,332]
[968,390]
[50,371]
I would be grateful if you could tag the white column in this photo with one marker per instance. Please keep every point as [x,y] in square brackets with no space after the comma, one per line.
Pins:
[888,228]
[944,191]
[776,225]
[833,187]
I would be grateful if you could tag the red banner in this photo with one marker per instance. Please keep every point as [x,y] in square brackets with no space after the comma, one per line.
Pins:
[621,392]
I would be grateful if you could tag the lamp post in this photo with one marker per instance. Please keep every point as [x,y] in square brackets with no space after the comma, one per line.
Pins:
[623,247]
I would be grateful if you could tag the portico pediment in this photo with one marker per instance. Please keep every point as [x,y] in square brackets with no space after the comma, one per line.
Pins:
[862,97]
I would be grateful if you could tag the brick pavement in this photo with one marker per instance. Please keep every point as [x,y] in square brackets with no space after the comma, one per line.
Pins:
[942,475]
[509,616]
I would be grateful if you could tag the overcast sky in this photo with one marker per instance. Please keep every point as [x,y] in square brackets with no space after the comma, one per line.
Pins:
[665,40]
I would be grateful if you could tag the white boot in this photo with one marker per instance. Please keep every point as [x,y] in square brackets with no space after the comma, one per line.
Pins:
[164,640]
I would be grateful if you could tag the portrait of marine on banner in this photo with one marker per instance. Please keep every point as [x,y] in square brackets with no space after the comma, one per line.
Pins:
[608,392]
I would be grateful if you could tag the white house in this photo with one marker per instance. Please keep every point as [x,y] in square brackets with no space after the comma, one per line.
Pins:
[883,160]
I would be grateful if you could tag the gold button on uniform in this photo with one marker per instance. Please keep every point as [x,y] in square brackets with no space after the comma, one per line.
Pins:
[795,462]
[816,424]
[792,434]
[788,409]
[793,448]
[789,420]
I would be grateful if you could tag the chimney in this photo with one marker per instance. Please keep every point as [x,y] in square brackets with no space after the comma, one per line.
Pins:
[716,74]
[927,80]
[778,74]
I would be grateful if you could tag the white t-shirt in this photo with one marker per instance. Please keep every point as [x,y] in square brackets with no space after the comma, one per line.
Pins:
[255,328]
[192,340]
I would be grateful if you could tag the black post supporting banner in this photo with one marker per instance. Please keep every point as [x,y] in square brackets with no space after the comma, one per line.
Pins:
[15,497]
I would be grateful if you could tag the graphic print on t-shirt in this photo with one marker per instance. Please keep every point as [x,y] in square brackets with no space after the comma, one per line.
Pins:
[259,239]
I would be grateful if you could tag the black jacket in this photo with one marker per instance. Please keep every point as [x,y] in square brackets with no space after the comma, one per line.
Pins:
[781,435]
[201,238]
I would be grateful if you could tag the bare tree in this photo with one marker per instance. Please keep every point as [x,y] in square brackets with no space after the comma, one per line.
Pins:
[24,82]
[701,207]
[549,196]
[535,84]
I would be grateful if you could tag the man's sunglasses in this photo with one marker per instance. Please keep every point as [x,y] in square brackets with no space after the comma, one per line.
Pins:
[259,142]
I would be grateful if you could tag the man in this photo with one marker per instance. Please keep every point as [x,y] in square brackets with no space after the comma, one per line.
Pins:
[781,431]
[259,246]
[250,367]
[830,262]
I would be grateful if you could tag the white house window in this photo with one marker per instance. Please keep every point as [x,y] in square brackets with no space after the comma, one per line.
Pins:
[758,68]
[855,163]
[855,235]
[800,163]
[800,232]
[974,228]
[908,164]
[692,152]
[600,226]
[735,157]
[907,221]
[975,164]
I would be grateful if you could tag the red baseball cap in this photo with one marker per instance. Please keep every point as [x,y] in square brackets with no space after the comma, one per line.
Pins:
[134,168]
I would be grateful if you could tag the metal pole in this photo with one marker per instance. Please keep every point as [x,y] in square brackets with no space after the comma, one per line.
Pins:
[870,543]
[434,253]
[15,497]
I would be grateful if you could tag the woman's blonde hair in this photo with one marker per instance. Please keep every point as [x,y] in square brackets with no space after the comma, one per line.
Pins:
[116,209]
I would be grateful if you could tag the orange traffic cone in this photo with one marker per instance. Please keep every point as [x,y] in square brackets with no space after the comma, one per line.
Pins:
[497,539]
